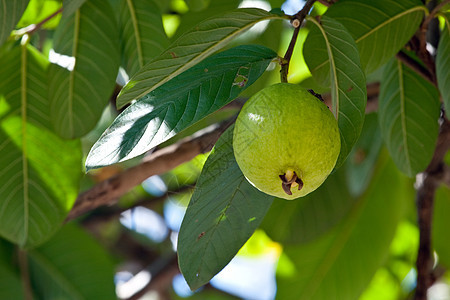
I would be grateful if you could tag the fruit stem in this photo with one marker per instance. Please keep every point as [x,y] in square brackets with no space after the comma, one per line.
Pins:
[296,21]
[290,179]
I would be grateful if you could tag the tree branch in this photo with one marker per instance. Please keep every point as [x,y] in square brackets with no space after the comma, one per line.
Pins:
[433,176]
[108,191]
[415,66]
[296,22]
[35,27]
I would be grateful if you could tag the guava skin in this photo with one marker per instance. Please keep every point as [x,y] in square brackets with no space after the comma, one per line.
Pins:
[284,129]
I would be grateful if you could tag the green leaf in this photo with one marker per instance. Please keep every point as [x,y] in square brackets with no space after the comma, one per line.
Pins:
[309,217]
[179,103]
[443,64]
[191,48]
[10,284]
[216,7]
[223,213]
[72,265]
[380,28]
[340,264]
[441,224]
[71,6]
[142,33]
[361,161]
[408,115]
[79,96]
[37,190]
[10,13]
[348,83]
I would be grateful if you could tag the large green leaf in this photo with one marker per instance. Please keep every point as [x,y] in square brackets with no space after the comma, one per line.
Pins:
[340,264]
[380,29]
[443,64]
[142,33]
[441,224]
[72,265]
[216,7]
[223,213]
[37,190]
[348,83]
[71,6]
[10,13]
[191,48]
[79,96]
[179,103]
[408,115]
[10,284]
[309,217]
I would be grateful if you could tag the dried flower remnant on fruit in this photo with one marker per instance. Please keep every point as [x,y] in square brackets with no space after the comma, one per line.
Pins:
[289,180]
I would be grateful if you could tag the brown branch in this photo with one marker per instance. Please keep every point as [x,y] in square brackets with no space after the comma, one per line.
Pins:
[25,274]
[431,15]
[433,176]
[108,191]
[296,21]
[415,66]
[35,27]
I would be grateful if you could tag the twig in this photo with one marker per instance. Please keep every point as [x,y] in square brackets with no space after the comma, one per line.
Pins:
[433,176]
[113,212]
[108,191]
[432,14]
[25,274]
[35,27]
[296,21]
[415,66]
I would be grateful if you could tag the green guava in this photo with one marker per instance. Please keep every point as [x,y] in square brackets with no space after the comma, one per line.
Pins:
[286,141]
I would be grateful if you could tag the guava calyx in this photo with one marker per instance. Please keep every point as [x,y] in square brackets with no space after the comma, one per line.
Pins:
[289,180]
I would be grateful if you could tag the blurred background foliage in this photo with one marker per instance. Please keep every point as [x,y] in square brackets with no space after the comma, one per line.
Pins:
[324,233]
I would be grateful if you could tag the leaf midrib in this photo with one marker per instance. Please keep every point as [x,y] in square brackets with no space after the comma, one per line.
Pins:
[191,62]
[388,21]
[403,114]
[72,73]
[23,95]
[137,33]
[334,83]
[219,219]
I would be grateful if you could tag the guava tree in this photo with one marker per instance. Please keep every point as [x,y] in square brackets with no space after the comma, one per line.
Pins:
[98,96]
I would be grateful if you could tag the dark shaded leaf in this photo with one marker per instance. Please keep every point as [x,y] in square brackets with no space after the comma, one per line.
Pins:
[348,83]
[223,213]
[340,264]
[79,96]
[380,29]
[10,13]
[142,33]
[309,217]
[443,64]
[408,116]
[71,265]
[441,224]
[361,161]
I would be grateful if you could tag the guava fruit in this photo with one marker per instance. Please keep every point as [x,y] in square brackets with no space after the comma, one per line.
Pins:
[286,141]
